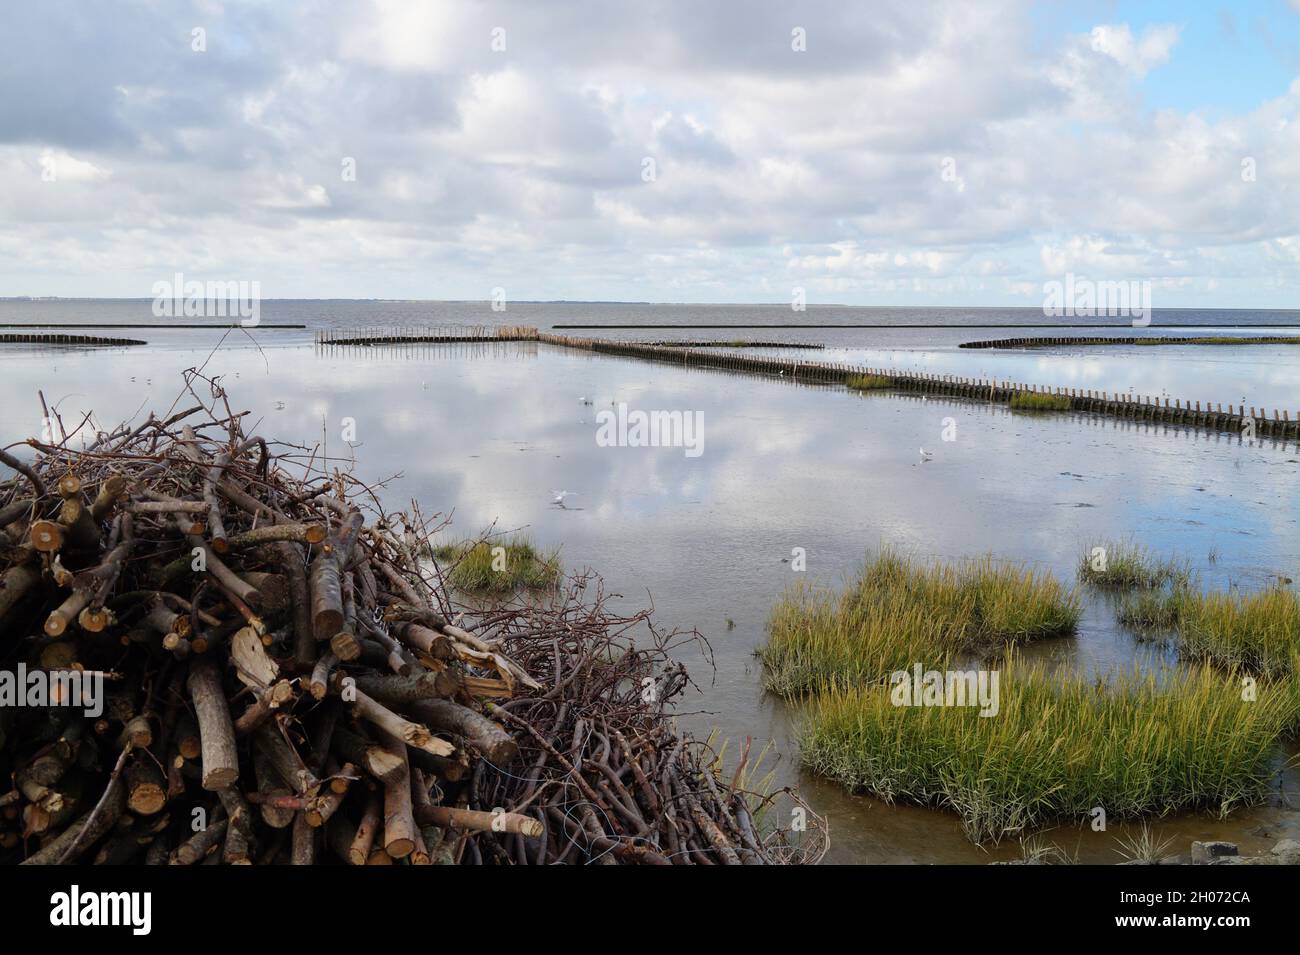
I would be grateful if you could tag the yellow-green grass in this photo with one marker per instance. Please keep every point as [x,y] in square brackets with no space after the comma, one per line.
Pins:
[1256,632]
[901,611]
[1038,401]
[1152,611]
[1058,747]
[476,566]
[1123,565]
[869,382]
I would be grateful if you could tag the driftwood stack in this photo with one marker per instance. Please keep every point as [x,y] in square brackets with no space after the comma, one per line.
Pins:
[285,680]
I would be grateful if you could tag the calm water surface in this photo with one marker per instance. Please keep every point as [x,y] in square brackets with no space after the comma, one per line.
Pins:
[493,431]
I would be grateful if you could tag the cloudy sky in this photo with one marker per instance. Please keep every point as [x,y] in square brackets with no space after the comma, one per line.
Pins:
[917,152]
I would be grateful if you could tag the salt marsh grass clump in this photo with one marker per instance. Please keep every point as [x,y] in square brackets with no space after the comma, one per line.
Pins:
[480,567]
[1257,632]
[1151,612]
[1143,846]
[869,382]
[900,612]
[1038,401]
[816,637]
[1121,564]
[1059,746]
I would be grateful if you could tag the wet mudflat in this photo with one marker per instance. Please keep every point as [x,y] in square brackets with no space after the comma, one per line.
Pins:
[495,431]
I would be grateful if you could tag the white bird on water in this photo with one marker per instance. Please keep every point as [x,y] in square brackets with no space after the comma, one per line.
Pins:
[926,455]
[560,496]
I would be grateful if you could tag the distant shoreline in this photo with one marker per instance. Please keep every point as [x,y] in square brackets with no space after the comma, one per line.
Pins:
[812,325]
[137,325]
[785,304]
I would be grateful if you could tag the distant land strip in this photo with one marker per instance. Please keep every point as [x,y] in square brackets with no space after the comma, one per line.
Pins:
[122,325]
[824,327]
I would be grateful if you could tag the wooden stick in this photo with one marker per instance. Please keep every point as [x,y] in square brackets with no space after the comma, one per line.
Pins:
[487,737]
[285,760]
[239,831]
[216,731]
[482,821]
[364,840]
[399,818]
[413,734]
[271,533]
[326,597]
[26,471]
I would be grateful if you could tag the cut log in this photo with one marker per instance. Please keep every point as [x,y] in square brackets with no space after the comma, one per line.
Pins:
[413,734]
[399,818]
[326,597]
[216,731]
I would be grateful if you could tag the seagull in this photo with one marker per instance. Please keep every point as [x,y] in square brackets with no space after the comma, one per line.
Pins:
[926,455]
[585,400]
[279,406]
[560,496]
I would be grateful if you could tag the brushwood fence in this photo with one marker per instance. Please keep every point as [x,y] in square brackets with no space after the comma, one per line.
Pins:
[1206,415]
[49,338]
[425,334]
[1039,342]
[1151,408]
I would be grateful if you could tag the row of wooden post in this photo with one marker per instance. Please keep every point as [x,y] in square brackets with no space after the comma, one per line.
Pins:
[48,338]
[1135,407]
[425,334]
[1040,342]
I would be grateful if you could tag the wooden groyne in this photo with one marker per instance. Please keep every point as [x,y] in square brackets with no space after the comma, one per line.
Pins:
[1145,408]
[426,334]
[1040,342]
[1206,415]
[424,350]
[48,338]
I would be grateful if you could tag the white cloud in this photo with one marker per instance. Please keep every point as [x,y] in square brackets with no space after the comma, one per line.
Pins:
[1138,55]
[59,166]
[524,168]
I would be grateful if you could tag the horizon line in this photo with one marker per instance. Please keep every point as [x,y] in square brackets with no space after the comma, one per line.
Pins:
[580,301]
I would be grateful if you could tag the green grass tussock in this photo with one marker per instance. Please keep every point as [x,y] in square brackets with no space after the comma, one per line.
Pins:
[1122,564]
[1152,611]
[1257,632]
[869,382]
[475,568]
[901,611]
[1057,747]
[1038,401]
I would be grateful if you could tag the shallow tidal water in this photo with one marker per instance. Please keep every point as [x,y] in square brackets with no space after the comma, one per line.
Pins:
[494,431]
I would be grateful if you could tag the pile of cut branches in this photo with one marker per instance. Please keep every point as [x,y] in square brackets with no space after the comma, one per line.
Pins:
[214,648]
